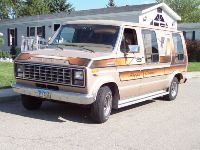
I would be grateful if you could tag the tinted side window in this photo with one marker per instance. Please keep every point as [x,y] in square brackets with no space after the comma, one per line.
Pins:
[150,46]
[129,38]
[178,47]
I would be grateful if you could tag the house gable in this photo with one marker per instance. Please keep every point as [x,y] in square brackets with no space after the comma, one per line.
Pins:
[160,15]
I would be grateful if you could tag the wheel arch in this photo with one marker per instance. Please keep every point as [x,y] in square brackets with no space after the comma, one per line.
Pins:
[115,93]
[179,76]
[176,74]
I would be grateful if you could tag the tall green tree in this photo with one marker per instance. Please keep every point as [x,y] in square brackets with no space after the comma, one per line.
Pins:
[189,10]
[17,8]
[5,8]
[31,7]
[111,3]
[59,6]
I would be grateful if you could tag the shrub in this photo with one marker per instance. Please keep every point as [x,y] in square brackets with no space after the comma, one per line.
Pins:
[193,48]
[14,52]
[4,54]
[1,41]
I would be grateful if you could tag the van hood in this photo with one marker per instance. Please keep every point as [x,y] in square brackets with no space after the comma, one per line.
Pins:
[70,53]
[65,56]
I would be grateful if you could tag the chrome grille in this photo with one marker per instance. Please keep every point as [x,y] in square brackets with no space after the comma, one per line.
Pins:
[47,73]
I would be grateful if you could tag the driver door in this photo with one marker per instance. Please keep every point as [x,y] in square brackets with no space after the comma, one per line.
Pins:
[130,64]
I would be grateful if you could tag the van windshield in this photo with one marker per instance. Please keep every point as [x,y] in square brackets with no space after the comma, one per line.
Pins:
[95,37]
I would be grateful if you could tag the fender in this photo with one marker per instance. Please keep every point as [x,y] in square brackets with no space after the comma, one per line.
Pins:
[172,75]
[98,83]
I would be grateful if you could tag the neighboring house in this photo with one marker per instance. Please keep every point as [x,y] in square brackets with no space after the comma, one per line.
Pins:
[158,14]
[1,34]
[191,31]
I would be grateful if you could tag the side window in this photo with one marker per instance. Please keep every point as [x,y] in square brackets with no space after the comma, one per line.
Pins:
[165,45]
[178,47]
[150,46]
[129,38]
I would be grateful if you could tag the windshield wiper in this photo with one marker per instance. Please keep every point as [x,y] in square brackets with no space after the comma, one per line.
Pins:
[75,45]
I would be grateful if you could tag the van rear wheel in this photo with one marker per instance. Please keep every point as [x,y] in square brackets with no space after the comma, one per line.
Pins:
[173,90]
[30,102]
[101,108]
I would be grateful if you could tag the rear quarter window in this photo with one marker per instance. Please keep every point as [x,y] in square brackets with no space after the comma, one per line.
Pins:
[178,47]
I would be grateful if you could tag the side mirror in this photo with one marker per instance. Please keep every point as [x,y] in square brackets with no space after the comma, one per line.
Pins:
[134,48]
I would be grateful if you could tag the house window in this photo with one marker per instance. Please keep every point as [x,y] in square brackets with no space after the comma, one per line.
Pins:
[12,37]
[190,35]
[32,31]
[197,35]
[56,27]
[150,46]
[39,31]
[159,10]
[159,21]
[178,46]
[36,31]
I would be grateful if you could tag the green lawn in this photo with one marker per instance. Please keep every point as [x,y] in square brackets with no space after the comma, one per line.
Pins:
[6,75]
[194,66]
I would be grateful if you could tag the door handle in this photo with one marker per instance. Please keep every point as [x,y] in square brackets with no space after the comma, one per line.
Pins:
[139,59]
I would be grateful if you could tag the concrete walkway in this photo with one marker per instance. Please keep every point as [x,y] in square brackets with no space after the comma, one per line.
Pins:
[193,75]
[9,94]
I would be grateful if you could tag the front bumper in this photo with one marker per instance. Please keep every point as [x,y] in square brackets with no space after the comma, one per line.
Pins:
[63,96]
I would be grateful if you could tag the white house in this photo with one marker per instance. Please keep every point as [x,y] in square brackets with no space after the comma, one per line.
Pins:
[157,14]
[1,34]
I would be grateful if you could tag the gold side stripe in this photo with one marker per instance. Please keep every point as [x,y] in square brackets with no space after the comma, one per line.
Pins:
[133,75]
[123,62]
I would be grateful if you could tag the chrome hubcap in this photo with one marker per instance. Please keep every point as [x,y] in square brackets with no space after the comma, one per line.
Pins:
[107,104]
[174,89]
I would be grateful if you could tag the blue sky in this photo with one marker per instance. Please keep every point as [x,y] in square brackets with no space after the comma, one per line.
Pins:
[92,4]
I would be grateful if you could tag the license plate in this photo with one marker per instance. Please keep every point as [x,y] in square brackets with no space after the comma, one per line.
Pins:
[44,94]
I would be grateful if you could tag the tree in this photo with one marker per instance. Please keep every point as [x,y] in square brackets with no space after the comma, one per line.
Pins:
[189,10]
[5,8]
[17,8]
[111,3]
[59,6]
[31,7]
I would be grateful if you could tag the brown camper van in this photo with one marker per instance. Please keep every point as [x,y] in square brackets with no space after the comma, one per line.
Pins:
[104,64]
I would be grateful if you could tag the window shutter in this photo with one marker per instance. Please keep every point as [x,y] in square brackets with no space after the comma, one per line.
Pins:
[8,35]
[15,36]
[28,34]
[43,32]
[184,34]
[193,35]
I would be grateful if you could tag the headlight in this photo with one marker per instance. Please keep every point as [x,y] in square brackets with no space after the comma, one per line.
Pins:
[19,70]
[78,75]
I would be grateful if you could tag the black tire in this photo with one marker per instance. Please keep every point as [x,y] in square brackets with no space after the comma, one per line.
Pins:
[101,108]
[30,102]
[173,90]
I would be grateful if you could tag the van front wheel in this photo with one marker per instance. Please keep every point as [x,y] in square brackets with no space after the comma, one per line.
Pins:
[173,90]
[101,108]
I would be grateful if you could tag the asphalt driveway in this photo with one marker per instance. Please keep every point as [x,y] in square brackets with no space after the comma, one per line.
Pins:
[155,124]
